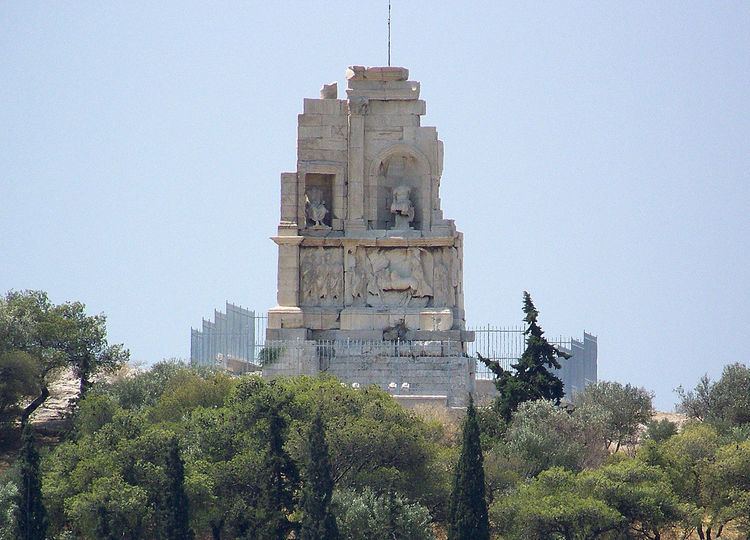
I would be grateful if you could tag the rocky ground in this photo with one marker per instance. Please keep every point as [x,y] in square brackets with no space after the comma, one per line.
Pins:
[50,420]
[54,413]
[677,418]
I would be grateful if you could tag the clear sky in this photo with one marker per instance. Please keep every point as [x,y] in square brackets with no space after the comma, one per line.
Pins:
[597,154]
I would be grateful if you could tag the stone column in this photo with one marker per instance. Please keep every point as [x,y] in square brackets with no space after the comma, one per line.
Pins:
[289,201]
[356,168]
[288,281]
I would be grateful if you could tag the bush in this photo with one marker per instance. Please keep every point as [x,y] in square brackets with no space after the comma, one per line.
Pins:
[543,435]
[365,515]
[660,430]
[8,507]
[94,411]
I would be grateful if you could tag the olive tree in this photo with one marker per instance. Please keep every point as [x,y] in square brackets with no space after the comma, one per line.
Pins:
[725,402]
[55,336]
[625,407]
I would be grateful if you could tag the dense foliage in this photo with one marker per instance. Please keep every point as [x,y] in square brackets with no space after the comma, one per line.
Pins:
[244,443]
[239,457]
[174,452]
[542,435]
[8,510]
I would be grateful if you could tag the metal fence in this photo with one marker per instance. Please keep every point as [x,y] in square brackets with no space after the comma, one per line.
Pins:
[235,335]
[239,337]
[504,345]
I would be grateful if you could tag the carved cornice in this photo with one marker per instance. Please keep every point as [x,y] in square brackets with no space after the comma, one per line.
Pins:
[432,241]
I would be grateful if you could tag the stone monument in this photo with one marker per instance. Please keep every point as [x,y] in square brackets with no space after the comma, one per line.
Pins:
[370,274]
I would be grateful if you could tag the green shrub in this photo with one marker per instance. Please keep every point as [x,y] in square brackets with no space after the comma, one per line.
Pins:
[364,515]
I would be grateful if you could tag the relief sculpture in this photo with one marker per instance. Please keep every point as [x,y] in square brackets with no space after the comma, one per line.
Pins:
[322,276]
[447,277]
[397,277]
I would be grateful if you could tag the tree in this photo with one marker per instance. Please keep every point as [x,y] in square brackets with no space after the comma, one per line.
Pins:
[56,336]
[32,516]
[110,507]
[19,373]
[689,461]
[175,517]
[318,522]
[725,402]
[280,475]
[552,507]
[626,407]
[115,458]
[94,412]
[696,403]
[373,440]
[731,474]
[140,389]
[531,377]
[641,493]
[468,507]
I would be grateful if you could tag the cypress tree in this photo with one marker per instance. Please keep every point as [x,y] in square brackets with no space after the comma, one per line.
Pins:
[468,507]
[32,516]
[176,516]
[318,522]
[531,377]
[280,476]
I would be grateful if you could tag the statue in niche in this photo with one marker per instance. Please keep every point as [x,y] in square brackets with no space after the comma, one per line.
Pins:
[402,208]
[315,207]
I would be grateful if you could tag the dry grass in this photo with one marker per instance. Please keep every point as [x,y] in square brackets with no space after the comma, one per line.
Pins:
[447,422]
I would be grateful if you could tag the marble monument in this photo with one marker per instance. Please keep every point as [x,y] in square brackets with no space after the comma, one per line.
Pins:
[364,248]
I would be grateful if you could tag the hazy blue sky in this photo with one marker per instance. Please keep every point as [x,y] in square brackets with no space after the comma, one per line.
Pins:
[596,154]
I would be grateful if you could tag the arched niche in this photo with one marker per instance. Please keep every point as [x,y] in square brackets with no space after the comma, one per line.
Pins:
[399,165]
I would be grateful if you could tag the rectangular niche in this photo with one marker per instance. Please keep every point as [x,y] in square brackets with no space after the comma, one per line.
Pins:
[319,198]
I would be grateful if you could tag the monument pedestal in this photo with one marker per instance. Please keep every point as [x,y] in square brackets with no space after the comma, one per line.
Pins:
[371,318]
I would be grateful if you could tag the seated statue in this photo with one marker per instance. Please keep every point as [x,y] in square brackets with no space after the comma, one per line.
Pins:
[402,208]
[316,208]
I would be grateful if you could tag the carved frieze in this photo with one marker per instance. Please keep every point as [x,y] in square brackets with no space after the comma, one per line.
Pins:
[321,276]
[402,277]
[447,277]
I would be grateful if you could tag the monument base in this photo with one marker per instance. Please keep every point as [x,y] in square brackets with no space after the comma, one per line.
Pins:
[361,318]
[367,318]
[401,368]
